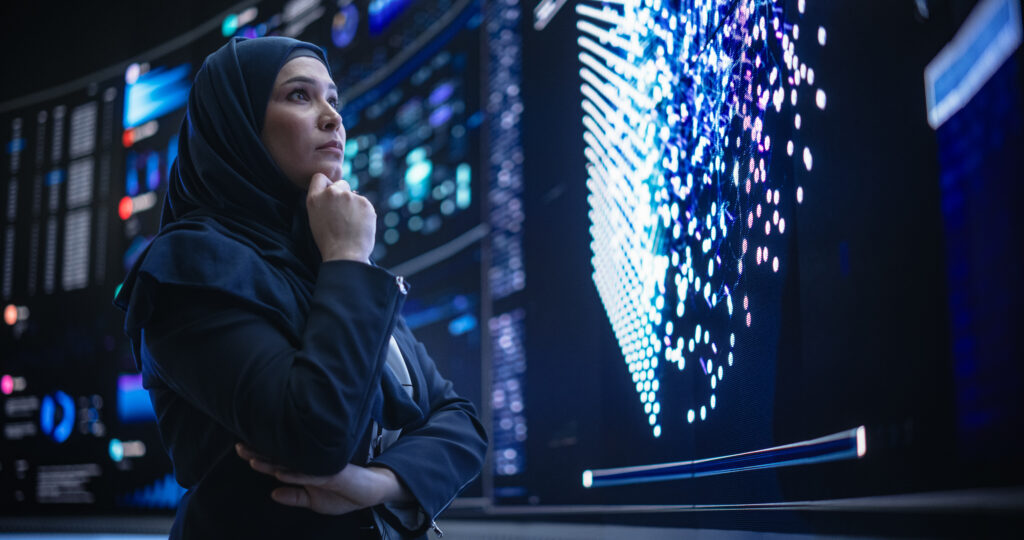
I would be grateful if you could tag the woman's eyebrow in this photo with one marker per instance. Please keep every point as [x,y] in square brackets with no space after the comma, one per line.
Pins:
[307,80]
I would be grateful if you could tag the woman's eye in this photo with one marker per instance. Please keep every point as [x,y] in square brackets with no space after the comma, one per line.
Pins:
[300,94]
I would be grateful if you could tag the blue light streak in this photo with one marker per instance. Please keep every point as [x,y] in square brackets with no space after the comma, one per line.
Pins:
[133,404]
[987,38]
[162,493]
[156,93]
[849,444]
[382,12]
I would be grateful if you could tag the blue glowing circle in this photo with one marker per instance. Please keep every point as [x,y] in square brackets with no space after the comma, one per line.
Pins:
[116,450]
[46,410]
[57,416]
[344,26]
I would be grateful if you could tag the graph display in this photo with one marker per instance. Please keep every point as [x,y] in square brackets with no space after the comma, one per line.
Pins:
[86,174]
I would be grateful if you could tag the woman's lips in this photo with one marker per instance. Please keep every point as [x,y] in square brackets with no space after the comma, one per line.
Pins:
[334,146]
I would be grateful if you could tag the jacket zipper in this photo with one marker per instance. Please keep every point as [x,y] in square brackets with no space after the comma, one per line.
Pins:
[403,288]
[396,305]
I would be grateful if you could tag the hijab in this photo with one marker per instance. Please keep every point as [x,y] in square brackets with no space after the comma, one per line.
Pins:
[231,222]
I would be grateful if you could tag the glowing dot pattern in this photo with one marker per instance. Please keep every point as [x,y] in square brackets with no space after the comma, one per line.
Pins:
[676,98]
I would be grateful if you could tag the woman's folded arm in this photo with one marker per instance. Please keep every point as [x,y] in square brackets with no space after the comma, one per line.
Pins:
[438,458]
[302,401]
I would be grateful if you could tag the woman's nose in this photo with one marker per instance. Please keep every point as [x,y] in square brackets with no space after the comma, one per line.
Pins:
[330,120]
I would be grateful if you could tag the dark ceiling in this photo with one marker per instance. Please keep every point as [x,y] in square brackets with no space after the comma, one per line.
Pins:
[49,43]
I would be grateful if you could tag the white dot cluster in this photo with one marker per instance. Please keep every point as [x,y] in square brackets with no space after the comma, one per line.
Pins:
[684,204]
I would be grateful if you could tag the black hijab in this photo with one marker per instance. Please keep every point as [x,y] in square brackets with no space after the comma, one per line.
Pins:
[232,222]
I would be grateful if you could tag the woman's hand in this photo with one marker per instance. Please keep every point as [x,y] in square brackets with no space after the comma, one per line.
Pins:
[344,223]
[352,488]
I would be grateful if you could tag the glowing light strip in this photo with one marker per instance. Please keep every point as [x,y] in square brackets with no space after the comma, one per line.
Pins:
[990,35]
[604,36]
[441,253]
[610,58]
[601,101]
[604,15]
[544,12]
[604,131]
[600,159]
[598,129]
[620,65]
[849,444]
[623,158]
[613,96]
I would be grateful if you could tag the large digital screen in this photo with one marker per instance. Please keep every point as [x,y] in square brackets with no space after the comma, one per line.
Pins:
[761,264]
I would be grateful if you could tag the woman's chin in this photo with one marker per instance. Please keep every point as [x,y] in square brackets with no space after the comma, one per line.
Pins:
[332,173]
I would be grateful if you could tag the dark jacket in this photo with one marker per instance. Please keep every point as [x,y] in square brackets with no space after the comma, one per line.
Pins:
[218,374]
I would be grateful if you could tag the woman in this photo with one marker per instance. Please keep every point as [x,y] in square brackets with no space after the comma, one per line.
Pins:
[290,395]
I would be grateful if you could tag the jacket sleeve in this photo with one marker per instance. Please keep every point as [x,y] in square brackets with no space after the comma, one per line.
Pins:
[304,405]
[438,458]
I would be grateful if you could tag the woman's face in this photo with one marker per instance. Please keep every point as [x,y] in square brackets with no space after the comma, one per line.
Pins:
[302,130]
